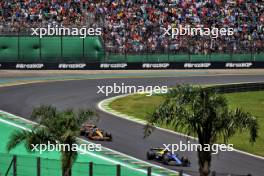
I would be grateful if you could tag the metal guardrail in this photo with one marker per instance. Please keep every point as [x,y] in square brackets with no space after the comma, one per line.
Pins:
[243,87]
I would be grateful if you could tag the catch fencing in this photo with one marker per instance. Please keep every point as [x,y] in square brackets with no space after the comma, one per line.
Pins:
[14,165]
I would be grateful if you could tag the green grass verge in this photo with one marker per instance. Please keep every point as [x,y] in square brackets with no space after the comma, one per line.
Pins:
[140,106]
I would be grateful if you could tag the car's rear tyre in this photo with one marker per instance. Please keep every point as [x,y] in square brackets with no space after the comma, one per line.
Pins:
[110,136]
[185,162]
[150,155]
[165,160]
[82,133]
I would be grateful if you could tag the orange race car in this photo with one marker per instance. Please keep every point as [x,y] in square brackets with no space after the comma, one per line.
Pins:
[92,132]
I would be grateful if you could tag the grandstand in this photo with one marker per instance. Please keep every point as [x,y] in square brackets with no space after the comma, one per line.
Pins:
[132,30]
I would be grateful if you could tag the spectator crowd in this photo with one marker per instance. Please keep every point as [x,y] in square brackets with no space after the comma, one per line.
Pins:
[138,25]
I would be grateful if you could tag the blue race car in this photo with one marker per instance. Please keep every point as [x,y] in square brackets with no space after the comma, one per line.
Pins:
[164,156]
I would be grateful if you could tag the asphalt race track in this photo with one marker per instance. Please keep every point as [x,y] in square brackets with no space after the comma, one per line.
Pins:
[128,136]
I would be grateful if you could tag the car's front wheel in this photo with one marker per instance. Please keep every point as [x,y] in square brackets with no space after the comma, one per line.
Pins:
[150,155]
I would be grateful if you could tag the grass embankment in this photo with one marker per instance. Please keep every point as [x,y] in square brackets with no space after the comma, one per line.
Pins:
[140,106]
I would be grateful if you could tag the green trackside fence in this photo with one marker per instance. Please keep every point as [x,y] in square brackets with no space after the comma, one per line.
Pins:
[50,49]
[186,57]
[252,52]
[13,165]
[73,49]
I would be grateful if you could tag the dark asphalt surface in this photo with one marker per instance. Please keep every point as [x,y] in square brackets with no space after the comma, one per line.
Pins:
[128,136]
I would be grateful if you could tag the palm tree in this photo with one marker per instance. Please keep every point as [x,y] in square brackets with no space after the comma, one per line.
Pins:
[202,113]
[54,127]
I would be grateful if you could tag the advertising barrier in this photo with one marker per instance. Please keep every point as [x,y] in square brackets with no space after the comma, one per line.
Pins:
[74,53]
[130,65]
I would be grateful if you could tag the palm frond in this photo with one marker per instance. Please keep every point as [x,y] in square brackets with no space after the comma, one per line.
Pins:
[87,115]
[44,114]
[17,138]
[245,121]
